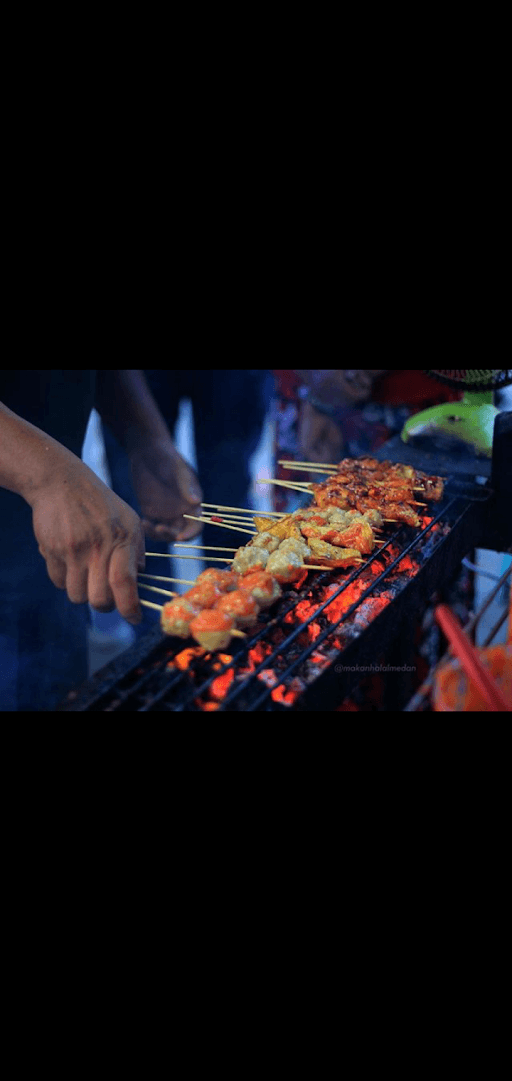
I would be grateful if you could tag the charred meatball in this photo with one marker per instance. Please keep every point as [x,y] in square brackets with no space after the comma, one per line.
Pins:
[212,629]
[265,540]
[285,566]
[250,559]
[262,586]
[177,616]
[224,581]
[240,606]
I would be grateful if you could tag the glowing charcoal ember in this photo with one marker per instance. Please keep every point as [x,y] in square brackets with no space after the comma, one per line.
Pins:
[220,686]
[250,559]
[262,586]
[303,610]
[407,564]
[240,606]
[212,629]
[176,617]
[258,653]
[222,658]
[320,659]
[268,677]
[287,696]
[184,659]
[339,605]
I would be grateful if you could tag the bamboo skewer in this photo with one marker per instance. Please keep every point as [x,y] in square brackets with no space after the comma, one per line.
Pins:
[182,581]
[161,578]
[210,559]
[237,529]
[231,519]
[317,567]
[283,484]
[156,589]
[328,465]
[305,468]
[309,467]
[272,513]
[306,488]
[205,547]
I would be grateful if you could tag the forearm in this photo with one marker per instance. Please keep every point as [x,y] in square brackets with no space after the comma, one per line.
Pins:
[125,402]
[28,456]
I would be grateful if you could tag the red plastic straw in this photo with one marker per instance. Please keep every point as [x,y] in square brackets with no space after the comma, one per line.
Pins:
[470,660]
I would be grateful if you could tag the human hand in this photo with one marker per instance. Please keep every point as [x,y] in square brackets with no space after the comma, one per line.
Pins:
[340,386]
[92,541]
[320,438]
[166,488]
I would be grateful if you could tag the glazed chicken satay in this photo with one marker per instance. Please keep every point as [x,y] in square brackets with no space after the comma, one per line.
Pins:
[432,486]
[358,535]
[393,475]
[331,493]
[348,490]
[330,556]
[398,512]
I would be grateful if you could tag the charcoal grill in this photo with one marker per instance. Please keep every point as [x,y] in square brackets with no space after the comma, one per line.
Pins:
[311,662]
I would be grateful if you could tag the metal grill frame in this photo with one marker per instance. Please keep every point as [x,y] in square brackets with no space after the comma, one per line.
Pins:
[106,693]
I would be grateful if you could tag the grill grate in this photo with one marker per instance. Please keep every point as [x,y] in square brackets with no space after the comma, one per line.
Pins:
[146,683]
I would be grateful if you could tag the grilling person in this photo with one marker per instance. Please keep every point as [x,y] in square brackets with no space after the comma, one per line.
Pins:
[229,407]
[65,538]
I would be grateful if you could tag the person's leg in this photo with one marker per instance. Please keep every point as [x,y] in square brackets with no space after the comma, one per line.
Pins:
[229,411]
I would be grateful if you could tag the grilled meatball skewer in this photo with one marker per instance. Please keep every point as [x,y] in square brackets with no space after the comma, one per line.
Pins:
[214,630]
